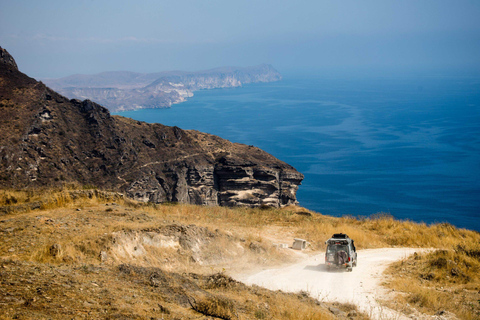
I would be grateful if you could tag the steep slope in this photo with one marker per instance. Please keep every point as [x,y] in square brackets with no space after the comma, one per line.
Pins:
[47,140]
[124,90]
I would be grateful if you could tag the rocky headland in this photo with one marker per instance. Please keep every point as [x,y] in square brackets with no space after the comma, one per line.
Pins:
[124,90]
[49,140]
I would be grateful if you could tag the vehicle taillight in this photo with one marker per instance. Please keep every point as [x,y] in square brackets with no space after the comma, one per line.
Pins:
[348,259]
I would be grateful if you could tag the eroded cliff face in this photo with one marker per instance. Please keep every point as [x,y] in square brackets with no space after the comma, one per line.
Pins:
[199,168]
[49,140]
[219,184]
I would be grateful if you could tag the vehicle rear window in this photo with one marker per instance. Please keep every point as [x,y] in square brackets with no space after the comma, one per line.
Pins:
[336,248]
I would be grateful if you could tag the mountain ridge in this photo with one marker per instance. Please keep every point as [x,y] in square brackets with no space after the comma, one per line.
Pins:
[48,140]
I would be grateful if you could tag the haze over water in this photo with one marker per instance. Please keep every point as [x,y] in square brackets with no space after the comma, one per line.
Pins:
[408,146]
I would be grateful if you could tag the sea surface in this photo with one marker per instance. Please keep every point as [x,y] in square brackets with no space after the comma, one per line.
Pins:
[407,146]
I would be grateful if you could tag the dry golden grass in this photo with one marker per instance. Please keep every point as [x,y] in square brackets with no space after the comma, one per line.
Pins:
[12,197]
[442,280]
[56,198]
[370,232]
[252,225]
[74,227]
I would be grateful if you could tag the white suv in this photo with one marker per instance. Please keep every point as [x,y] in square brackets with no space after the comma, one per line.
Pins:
[341,252]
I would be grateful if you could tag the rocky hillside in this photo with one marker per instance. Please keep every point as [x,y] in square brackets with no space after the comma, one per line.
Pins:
[94,259]
[125,90]
[48,140]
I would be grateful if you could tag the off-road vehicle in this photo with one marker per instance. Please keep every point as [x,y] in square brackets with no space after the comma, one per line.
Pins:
[341,252]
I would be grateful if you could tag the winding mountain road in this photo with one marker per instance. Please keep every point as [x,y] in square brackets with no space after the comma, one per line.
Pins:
[361,287]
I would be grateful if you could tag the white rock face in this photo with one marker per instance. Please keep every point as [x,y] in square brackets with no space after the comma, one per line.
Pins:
[120,91]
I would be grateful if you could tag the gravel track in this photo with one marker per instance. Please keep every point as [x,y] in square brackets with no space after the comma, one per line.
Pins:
[361,287]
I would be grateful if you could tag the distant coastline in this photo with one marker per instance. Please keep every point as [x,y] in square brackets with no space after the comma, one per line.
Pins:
[125,90]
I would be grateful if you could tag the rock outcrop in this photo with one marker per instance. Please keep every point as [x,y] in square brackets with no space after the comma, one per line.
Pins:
[49,140]
[123,90]
[6,58]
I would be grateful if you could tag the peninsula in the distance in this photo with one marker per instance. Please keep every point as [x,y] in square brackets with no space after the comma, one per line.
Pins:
[125,90]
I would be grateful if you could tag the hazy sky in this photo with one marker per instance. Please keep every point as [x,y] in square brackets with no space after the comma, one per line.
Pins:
[59,37]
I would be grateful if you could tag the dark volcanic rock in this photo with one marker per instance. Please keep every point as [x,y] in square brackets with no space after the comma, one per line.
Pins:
[6,58]
[48,140]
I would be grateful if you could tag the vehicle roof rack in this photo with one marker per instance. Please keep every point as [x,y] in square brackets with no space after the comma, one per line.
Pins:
[340,236]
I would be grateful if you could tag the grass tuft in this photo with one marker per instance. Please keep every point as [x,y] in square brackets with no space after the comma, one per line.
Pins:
[217,307]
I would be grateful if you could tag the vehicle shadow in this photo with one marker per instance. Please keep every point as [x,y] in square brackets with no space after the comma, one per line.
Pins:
[323,268]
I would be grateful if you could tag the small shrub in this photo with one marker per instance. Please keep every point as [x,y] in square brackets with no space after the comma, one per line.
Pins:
[266,207]
[439,263]
[218,307]
[261,314]
[381,216]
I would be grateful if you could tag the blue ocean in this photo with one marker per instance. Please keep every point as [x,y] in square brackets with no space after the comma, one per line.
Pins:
[407,146]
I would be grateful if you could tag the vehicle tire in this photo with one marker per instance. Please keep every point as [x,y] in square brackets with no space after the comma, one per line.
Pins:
[355,263]
[350,269]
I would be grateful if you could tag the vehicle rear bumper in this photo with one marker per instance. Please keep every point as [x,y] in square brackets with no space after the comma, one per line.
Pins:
[334,265]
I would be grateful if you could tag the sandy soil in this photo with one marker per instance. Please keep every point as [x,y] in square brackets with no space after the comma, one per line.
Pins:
[361,287]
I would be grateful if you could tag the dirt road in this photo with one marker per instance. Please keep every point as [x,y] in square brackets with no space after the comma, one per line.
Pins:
[361,287]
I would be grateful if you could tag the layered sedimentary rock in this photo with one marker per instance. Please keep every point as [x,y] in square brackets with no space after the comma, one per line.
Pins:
[49,140]
[124,90]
